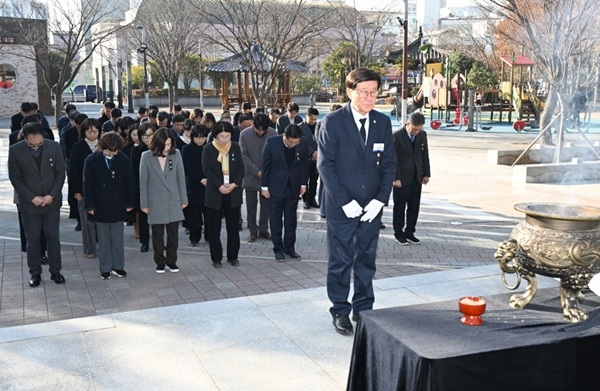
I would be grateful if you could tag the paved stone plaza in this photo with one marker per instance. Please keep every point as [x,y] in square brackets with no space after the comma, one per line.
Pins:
[263,325]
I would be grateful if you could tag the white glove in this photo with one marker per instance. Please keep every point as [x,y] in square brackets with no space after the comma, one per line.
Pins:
[352,209]
[372,210]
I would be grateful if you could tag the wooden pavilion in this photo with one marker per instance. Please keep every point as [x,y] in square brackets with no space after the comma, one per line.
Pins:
[238,63]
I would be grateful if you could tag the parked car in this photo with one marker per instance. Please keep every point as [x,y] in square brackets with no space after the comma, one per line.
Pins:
[323,96]
[87,93]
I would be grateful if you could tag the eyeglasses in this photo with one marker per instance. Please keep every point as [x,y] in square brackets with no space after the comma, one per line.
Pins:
[365,94]
[147,136]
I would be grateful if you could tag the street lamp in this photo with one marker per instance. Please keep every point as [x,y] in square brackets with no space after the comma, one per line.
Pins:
[404,24]
[142,49]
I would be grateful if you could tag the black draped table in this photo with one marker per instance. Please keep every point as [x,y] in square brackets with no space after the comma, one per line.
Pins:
[426,347]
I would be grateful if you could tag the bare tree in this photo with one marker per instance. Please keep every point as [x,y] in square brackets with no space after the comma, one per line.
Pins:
[172,31]
[562,36]
[363,30]
[284,30]
[75,39]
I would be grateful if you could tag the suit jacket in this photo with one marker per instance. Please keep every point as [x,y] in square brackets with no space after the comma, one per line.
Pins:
[163,192]
[30,182]
[310,137]
[192,163]
[275,169]
[79,153]
[283,121]
[108,192]
[408,160]
[214,175]
[349,169]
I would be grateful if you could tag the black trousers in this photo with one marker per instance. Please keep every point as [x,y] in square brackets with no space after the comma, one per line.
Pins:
[195,215]
[24,237]
[283,207]
[213,230]
[158,242]
[313,178]
[144,228]
[33,225]
[407,200]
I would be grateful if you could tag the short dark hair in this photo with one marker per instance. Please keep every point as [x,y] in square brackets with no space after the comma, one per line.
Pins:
[79,118]
[293,131]
[209,117]
[178,118]
[116,113]
[34,128]
[293,106]
[275,111]
[109,105]
[199,131]
[162,115]
[70,107]
[152,113]
[187,124]
[142,110]
[196,113]
[244,117]
[34,105]
[143,128]
[259,110]
[26,107]
[87,124]
[111,141]
[157,145]
[124,123]
[246,106]
[176,107]
[417,119]
[312,111]
[261,121]
[72,114]
[362,74]
[153,107]
[220,127]
[31,119]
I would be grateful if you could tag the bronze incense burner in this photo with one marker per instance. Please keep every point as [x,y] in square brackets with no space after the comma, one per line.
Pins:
[555,240]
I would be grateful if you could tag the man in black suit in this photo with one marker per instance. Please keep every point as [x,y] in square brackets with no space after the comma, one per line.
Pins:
[309,128]
[284,177]
[15,120]
[357,163]
[290,117]
[36,170]
[412,171]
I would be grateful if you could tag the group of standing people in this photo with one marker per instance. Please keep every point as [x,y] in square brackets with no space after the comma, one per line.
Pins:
[204,169]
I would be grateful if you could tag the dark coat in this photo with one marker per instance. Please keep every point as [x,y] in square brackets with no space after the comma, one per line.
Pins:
[275,169]
[283,121]
[136,157]
[68,138]
[355,173]
[310,137]
[30,181]
[409,161]
[79,153]
[192,163]
[214,175]
[108,192]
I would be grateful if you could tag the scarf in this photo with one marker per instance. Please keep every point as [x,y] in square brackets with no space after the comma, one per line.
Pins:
[223,151]
[93,146]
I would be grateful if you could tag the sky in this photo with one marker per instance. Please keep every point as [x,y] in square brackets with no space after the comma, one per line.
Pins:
[366,4]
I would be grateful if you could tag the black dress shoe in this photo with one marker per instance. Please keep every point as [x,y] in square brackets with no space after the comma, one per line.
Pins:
[307,205]
[78,227]
[315,204]
[217,264]
[57,278]
[233,262]
[279,257]
[293,254]
[144,248]
[342,324]
[35,280]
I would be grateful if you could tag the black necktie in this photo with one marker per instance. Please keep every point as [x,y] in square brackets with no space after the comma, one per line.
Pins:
[363,131]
